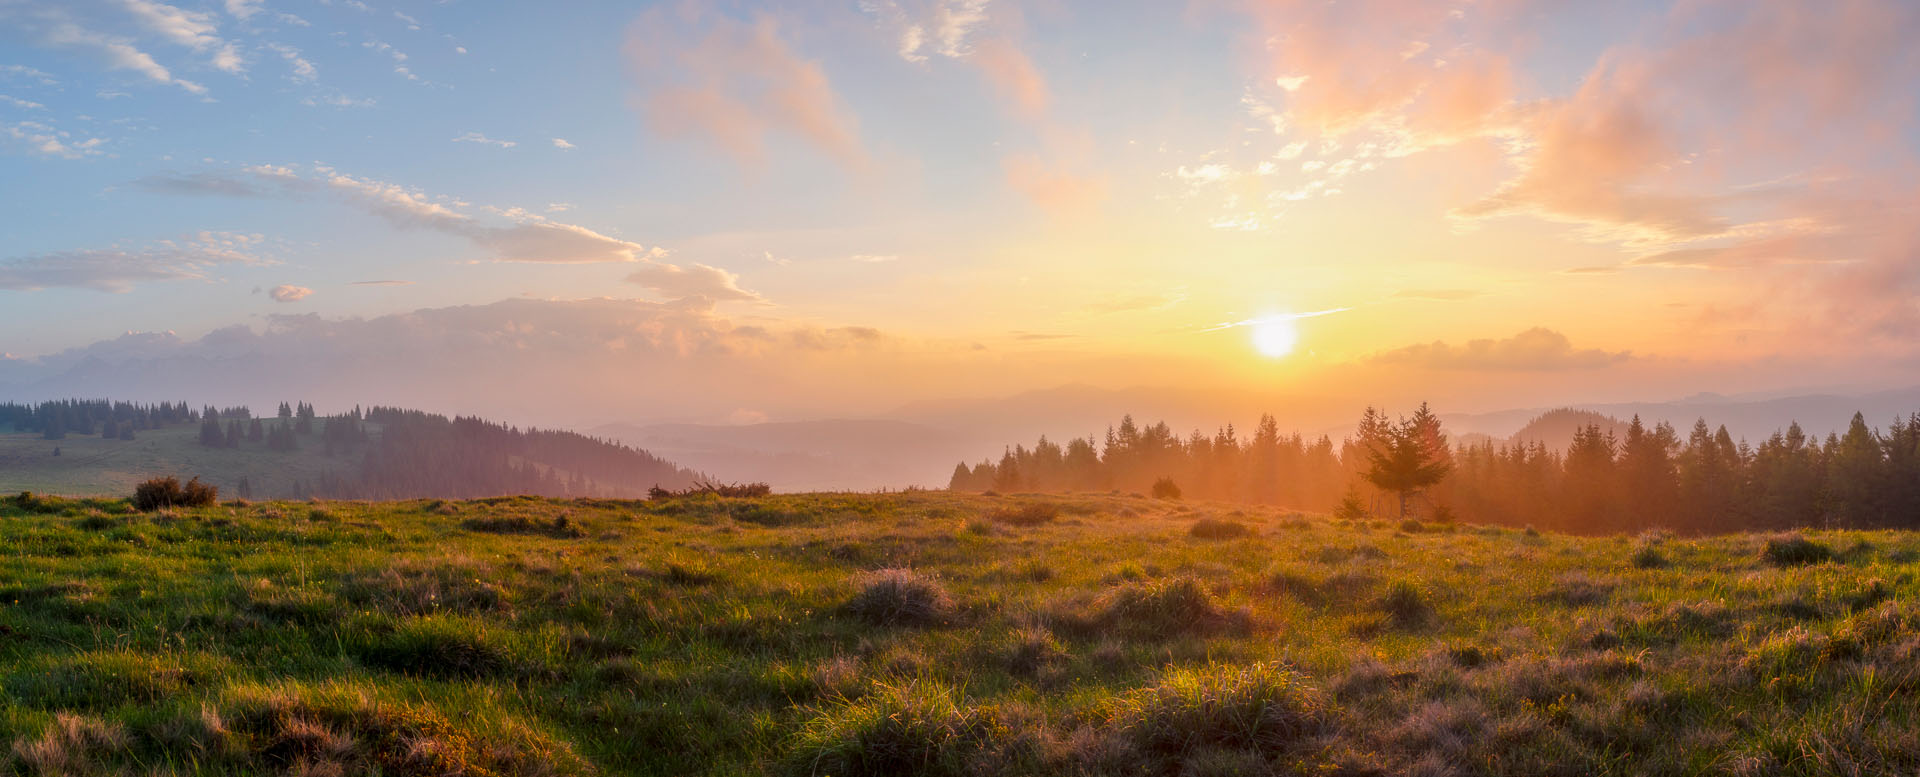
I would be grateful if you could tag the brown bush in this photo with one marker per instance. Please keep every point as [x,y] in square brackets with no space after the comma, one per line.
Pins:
[158,493]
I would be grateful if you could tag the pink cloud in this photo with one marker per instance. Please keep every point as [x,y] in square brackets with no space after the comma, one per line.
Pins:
[1013,76]
[733,83]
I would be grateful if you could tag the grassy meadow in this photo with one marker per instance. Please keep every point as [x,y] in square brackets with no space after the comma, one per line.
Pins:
[929,633]
[89,465]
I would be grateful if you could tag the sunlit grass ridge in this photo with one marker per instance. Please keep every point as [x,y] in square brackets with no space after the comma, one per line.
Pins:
[926,633]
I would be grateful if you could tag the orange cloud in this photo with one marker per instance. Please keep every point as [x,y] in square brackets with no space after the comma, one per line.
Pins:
[1013,75]
[1057,191]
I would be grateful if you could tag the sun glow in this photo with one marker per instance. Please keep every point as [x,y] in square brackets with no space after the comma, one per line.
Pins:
[1275,337]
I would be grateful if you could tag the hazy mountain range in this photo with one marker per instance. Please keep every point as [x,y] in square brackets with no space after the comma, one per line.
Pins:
[918,444]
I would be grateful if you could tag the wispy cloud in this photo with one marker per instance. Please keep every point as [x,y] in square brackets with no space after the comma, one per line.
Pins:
[561,143]
[515,235]
[381,283]
[1268,319]
[475,137]
[116,53]
[42,138]
[289,293]
[120,269]
[193,29]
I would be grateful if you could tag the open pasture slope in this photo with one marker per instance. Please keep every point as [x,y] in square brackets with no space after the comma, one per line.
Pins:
[935,634]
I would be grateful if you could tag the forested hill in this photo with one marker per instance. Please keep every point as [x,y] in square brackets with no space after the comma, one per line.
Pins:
[88,447]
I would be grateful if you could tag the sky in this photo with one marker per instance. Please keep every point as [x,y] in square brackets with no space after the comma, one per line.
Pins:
[589,212]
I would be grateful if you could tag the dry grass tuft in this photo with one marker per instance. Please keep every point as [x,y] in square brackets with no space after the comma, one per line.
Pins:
[901,597]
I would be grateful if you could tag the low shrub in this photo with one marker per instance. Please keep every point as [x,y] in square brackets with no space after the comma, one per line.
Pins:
[159,493]
[901,597]
[1649,557]
[1165,488]
[739,490]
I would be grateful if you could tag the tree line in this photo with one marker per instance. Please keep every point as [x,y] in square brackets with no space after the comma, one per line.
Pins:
[385,452]
[1647,477]
[54,420]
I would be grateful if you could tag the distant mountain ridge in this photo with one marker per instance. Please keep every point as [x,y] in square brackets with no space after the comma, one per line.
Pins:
[917,443]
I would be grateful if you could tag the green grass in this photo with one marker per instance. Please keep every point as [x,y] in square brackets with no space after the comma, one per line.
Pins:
[91,466]
[927,633]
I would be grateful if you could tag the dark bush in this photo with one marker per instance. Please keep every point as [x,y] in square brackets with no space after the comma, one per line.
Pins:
[1165,488]
[157,493]
[741,490]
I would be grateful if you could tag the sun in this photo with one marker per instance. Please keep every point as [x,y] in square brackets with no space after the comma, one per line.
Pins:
[1275,337]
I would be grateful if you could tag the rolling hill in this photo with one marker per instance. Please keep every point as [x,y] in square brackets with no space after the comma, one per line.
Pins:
[381,453]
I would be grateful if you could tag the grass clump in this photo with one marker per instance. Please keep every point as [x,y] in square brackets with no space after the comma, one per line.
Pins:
[559,528]
[911,727]
[72,745]
[1160,608]
[344,730]
[1264,707]
[102,679]
[1406,605]
[159,493]
[1027,515]
[1218,529]
[1790,550]
[435,648]
[901,597]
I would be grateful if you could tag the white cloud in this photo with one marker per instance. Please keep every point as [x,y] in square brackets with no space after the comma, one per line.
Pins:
[51,141]
[944,24]
[337,100]
[243,9]
[303,71]
[193,29]
[116,53]
[19,103]
[562,143]
[23,72]
[412,23]
[475,137]
[289,293]
[875,258]
[525,237]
